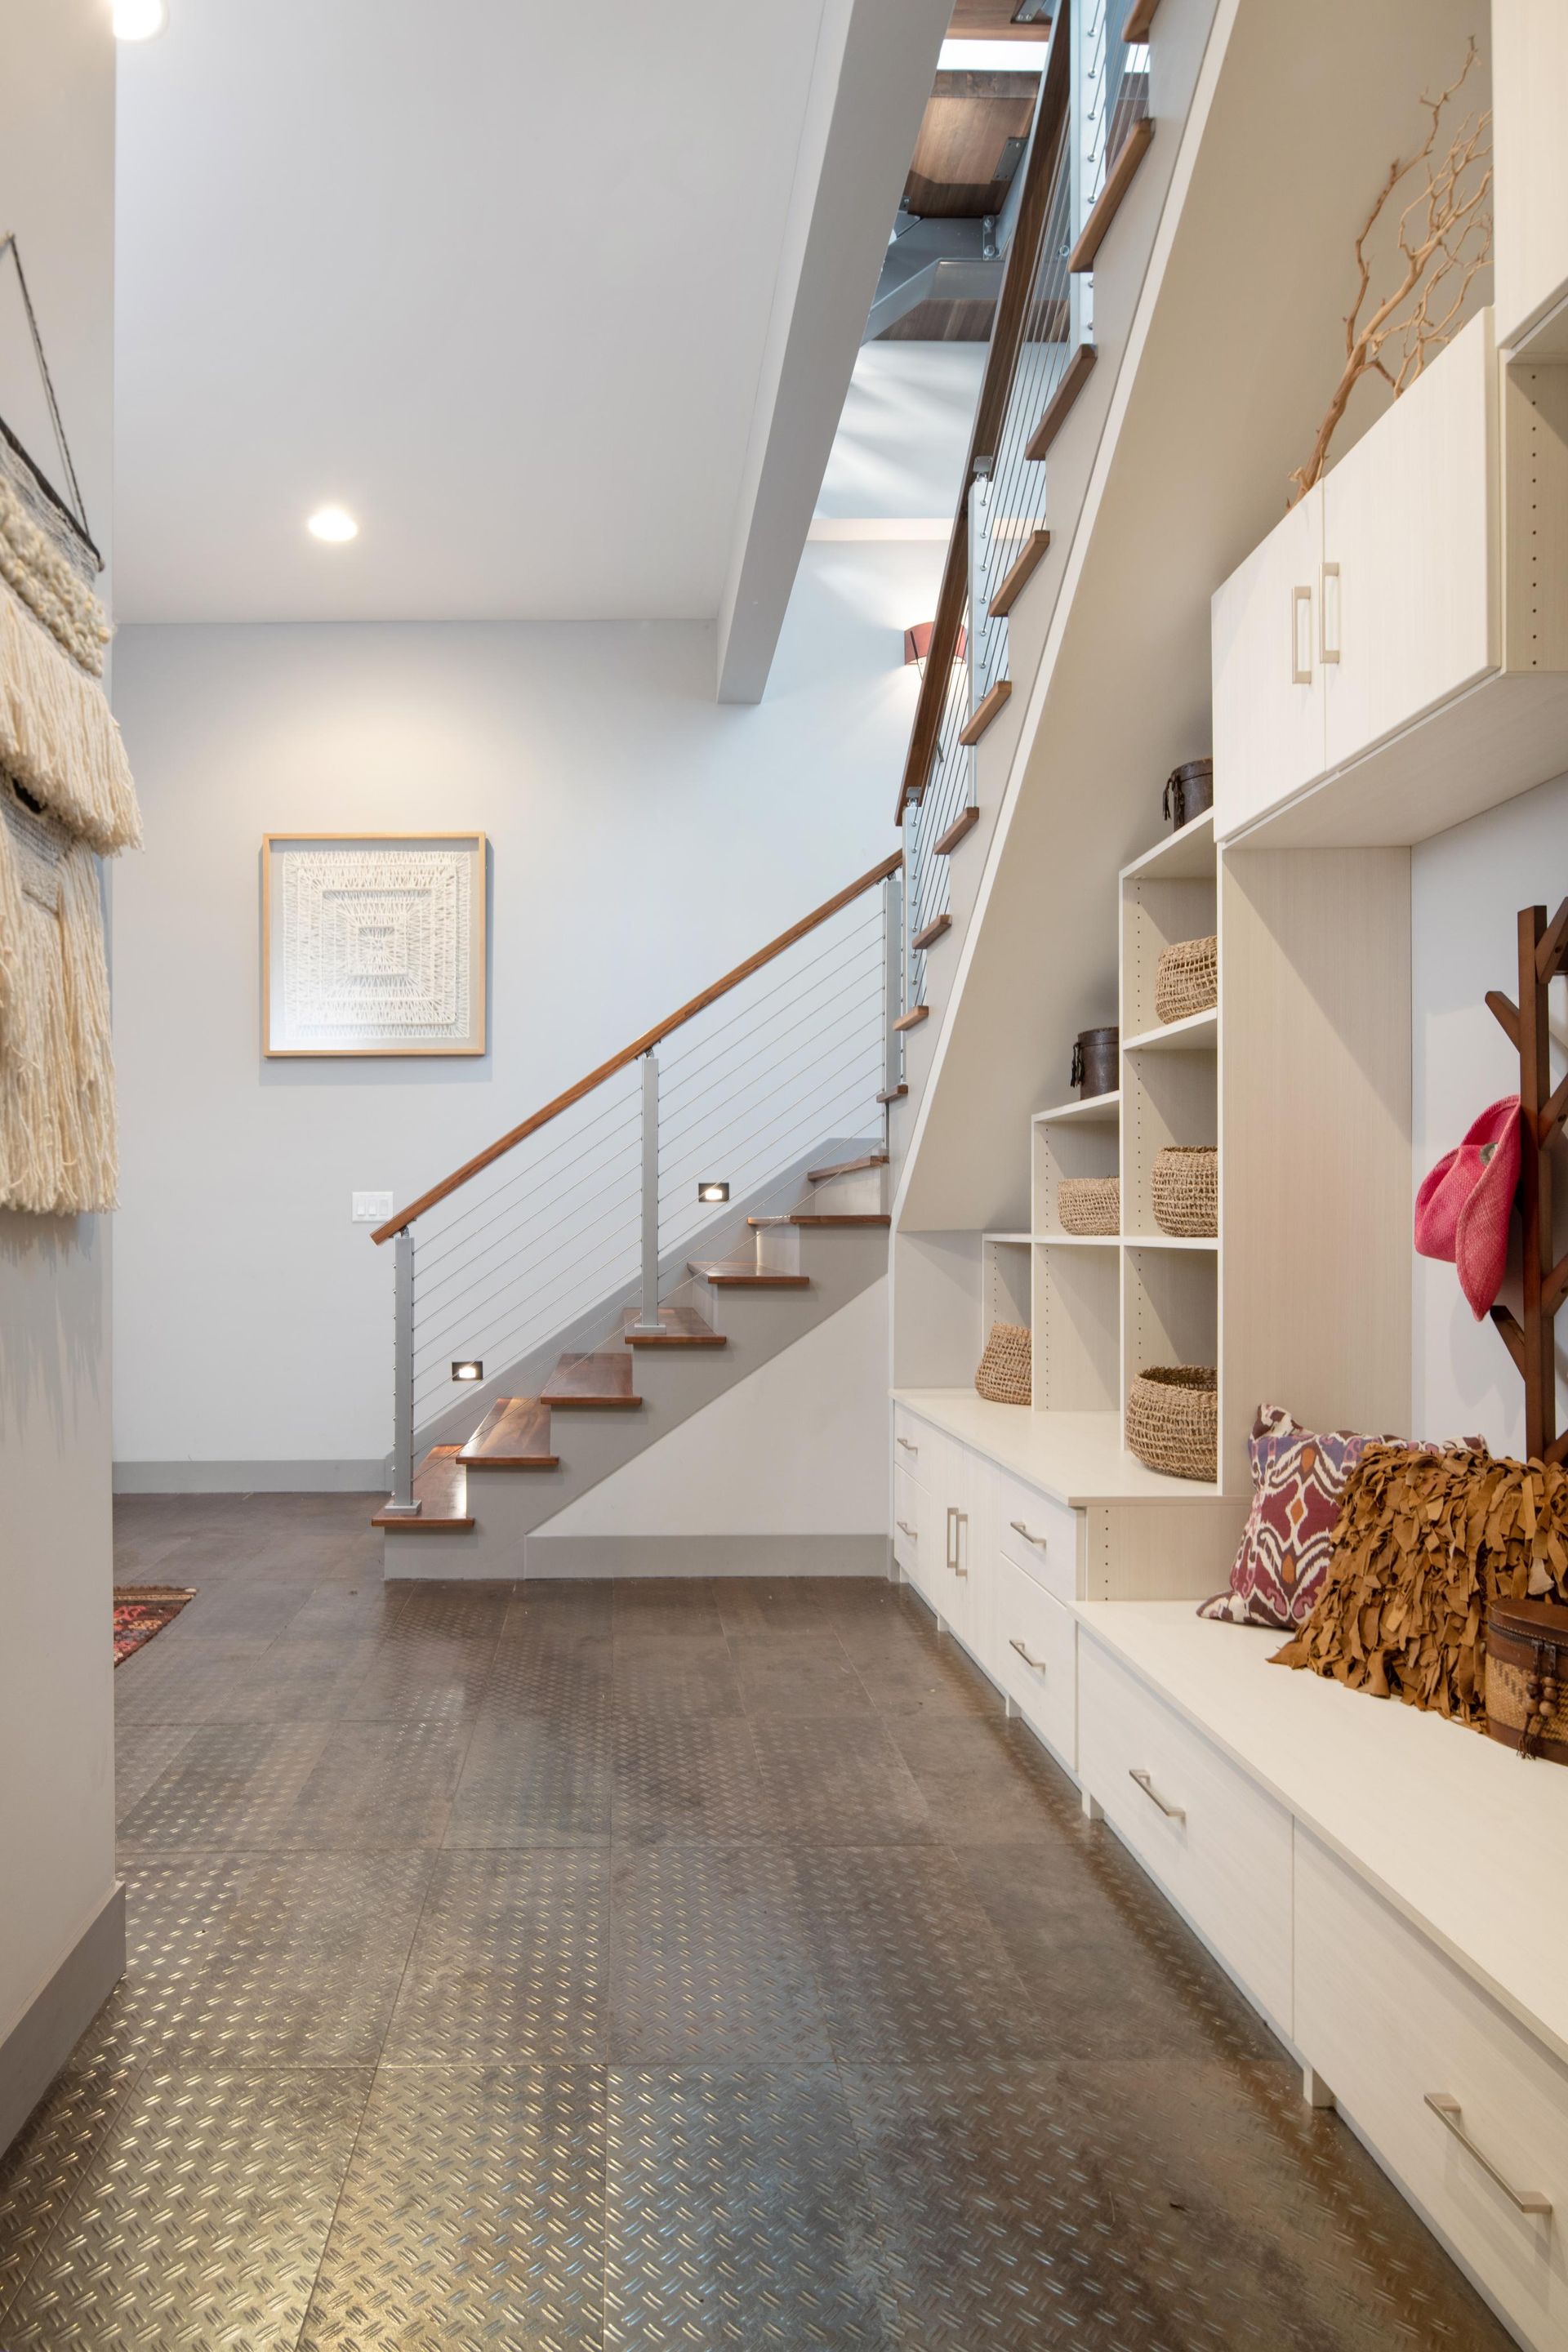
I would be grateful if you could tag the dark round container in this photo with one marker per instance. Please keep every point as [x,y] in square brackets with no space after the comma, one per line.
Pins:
[1094,1060]
[1189,790]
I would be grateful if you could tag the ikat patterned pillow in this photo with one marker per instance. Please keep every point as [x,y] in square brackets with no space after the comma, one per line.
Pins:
[1299,1478]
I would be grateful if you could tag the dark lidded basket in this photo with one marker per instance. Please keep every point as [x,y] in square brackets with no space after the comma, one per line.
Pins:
[1189,790]
[1094,1060]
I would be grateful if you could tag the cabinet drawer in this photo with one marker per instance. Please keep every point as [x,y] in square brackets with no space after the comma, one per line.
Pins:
[908,1504]
[1386,2019]
[1220,1848]
[1037,1534]
[915,1445]
[1034,1646]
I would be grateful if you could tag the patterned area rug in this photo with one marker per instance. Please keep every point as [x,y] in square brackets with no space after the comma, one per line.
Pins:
[142,1610]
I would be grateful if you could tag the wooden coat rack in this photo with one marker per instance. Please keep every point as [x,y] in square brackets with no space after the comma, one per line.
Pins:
[1529,1337]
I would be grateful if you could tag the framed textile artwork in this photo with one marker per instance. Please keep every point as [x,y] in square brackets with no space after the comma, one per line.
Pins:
[373,943]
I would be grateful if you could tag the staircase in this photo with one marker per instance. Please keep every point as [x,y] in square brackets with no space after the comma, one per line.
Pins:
[582,1250]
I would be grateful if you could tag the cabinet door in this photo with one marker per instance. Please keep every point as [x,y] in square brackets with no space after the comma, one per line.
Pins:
[1529,72]
[1411,611]
[1267,683]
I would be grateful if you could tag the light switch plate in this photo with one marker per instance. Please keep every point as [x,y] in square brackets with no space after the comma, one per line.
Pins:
[372,1208]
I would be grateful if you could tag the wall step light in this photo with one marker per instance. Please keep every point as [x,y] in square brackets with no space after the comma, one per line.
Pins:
[709,1191]
[469,1369]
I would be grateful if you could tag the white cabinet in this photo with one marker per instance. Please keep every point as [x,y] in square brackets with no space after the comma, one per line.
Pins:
[1392,2025]
[1035,1651]
[1267,680]
[1407,598]
[1530,73]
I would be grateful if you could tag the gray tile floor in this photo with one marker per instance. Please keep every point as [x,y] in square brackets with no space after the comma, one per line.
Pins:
[674,1965]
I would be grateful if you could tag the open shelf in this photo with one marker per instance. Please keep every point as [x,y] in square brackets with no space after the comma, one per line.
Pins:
[1188,856]
[1077,1324]
[1093,1110]
[1022,1240]
[1172,1241]
[1198,1033]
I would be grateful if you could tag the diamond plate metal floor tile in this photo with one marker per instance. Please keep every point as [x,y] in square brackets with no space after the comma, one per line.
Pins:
[665,1604]
[532,1780]
[839,1783]
[796,1674]
[174,1681]
[709,1957]
[686,1778]
[200,2222]
[559,1604]
[233,1785]
[510,1961]
[907,1961]
[736,2214]
[304,1679]
[336,1611]
[41,2168]
[986,1782]
[472,2216]
[559,1671]
[142,1754]
[761,1604]
[379,1784]
[436,1677]
[455,1611]
[256,1605]
[175,1913]
[674,1673]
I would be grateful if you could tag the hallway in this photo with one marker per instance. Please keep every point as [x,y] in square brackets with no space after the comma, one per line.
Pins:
[658,1965]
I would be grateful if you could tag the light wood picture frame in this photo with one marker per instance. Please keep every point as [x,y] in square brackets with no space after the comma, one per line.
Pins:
[373,945]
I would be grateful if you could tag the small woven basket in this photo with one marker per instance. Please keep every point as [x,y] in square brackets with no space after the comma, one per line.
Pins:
[1173,1420]
[1183,1184]
[1089,1204]
[1005,1376]
[1187,980]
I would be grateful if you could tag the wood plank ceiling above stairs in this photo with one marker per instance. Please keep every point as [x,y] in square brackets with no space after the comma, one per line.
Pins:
[518,1435]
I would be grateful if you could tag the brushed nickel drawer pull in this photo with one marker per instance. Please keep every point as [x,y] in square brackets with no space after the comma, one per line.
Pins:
[907,1446]
[1171,1813]
[1041,1542]
[1037,1664]
[961,1519]
[1448,2110]
[905,1530]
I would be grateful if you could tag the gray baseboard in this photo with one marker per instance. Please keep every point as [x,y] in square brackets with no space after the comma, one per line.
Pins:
[251,1477]
[777,1556]
[53,2021]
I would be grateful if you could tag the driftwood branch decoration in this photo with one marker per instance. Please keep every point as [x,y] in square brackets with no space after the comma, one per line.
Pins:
[1443,238]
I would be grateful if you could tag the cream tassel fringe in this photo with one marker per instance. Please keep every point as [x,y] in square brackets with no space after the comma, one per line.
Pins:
[58,737]
[57,1144]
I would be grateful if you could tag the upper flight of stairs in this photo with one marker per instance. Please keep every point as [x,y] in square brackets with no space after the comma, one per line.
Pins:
[521,1466]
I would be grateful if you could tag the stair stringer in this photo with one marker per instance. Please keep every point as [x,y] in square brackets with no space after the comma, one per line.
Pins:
[674,1385]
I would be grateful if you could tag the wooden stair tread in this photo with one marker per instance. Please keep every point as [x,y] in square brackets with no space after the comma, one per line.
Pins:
[964,823]
[912,1019]
[931,934]
[513,1435]
[893,1093]
[990,706]
[1019,574]
[1054,415]
[1107,204]
[603,1382]
[726,1273]
[441,1488]
[810,1217]
[679,1327]
[847,1167]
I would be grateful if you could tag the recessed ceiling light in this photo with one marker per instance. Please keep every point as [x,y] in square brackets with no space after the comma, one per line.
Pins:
[138,20]
[334,524]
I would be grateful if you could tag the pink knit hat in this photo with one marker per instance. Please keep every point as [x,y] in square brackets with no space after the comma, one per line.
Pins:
[1462,1209]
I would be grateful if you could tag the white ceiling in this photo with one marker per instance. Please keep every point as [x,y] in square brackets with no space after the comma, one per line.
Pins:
[496,276]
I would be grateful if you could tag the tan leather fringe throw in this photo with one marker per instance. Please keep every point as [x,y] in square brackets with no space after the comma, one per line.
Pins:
[1425,1543]
[65,793]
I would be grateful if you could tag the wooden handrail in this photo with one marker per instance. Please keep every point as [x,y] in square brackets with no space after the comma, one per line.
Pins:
[634,1052]
[1001,359]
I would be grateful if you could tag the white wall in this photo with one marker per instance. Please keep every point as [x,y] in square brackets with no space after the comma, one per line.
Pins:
[56,1850]
[904,434]
[800,1448]
[1466,888]
[644,839]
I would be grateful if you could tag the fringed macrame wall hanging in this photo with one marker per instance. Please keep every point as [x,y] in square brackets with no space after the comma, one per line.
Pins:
[66,800]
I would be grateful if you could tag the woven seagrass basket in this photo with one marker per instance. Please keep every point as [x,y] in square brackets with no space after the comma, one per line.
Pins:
[1005,1376]
[1183,1184]
[1089,1204]
[1187,979]
[1173,1420]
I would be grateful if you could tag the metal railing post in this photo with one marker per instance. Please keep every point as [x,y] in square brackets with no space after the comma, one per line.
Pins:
[402,1499]
[892,978]
[647,1318]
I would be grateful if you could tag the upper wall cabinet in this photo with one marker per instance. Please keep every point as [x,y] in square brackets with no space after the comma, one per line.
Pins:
[1530,74]
[1395,656]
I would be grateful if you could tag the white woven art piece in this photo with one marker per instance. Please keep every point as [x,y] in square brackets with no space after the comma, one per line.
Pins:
[374,946]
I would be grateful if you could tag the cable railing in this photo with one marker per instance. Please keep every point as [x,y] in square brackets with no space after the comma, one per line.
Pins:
[580,1221]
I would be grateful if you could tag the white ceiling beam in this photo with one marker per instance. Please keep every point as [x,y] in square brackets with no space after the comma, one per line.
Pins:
[876,60]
